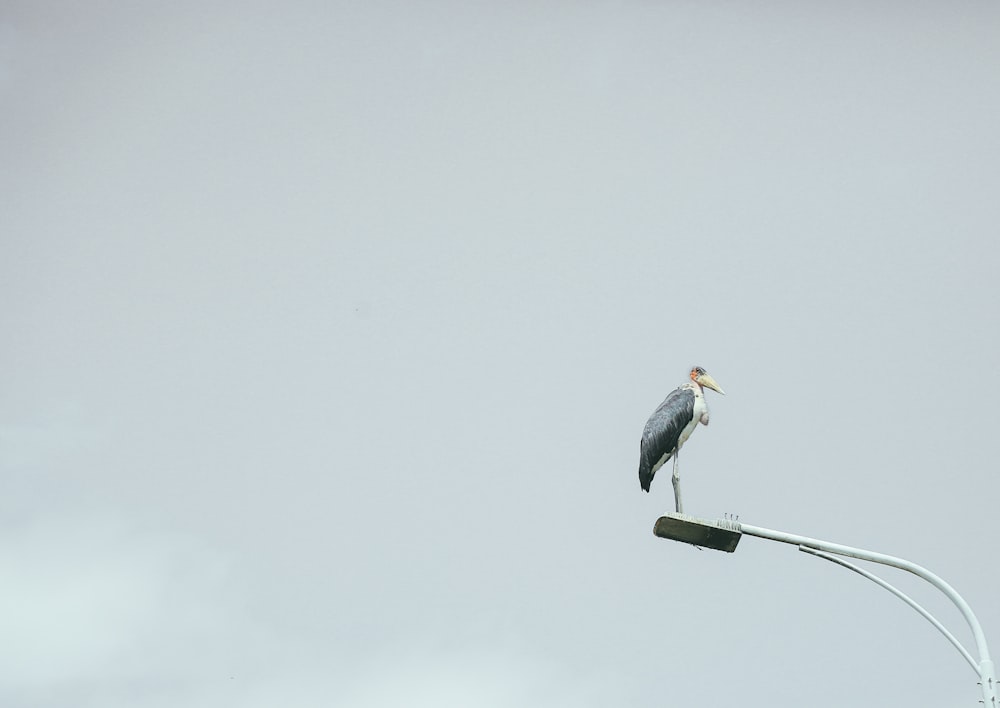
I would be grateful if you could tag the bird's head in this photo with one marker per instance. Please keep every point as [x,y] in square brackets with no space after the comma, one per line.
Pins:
[701,377]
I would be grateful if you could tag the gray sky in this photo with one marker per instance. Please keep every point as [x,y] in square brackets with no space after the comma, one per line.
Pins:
[330,330]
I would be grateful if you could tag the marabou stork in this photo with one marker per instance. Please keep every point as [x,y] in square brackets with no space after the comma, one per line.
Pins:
[671,425]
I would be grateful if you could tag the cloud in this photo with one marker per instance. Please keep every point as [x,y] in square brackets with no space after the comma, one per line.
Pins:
[479,676]
[94,599]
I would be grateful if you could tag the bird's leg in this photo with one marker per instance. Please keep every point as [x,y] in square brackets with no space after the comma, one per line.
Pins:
[677,487]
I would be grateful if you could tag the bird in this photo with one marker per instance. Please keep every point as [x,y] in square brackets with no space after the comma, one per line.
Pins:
[671,425]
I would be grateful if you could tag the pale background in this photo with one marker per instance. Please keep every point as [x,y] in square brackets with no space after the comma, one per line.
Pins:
[330,329]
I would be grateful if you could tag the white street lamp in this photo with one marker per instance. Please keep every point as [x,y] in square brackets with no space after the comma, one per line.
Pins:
[724,535]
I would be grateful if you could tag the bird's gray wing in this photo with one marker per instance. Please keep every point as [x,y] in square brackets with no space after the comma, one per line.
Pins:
[662,431]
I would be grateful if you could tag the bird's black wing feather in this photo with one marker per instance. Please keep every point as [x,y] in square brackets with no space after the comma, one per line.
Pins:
[662,431]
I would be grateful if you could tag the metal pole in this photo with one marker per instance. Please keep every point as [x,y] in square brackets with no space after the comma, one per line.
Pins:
[987,672]
[901,595]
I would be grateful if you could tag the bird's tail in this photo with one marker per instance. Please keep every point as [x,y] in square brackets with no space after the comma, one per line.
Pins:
[646,474]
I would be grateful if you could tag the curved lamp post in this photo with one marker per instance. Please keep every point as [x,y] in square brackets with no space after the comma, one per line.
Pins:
[724,535]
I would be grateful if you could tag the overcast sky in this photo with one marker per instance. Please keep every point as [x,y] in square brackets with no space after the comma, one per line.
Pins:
[330,330]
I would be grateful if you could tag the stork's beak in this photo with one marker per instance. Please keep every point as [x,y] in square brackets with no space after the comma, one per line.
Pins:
[706,380]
